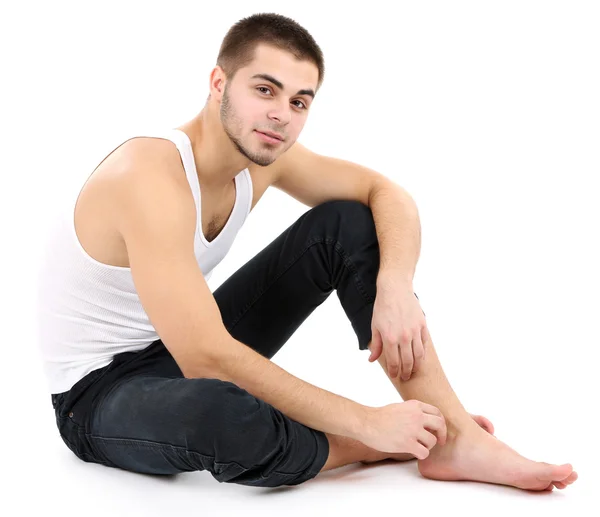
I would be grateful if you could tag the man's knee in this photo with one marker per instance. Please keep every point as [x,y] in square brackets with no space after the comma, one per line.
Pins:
[347,208]
[347,221]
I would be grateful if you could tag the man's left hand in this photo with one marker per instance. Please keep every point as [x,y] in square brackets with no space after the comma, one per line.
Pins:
[398,329]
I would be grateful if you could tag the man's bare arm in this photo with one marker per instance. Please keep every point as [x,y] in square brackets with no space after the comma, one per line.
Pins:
[157,219]
[314,407]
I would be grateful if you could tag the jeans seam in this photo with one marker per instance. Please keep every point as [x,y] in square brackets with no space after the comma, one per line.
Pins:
[317,240]
[350,265]
[292,261]
[158,445]
[150,444]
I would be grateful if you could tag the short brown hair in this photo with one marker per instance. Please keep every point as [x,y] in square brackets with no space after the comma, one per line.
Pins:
[239,45]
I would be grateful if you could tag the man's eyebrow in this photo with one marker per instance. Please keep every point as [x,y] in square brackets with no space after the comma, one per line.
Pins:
[279,84]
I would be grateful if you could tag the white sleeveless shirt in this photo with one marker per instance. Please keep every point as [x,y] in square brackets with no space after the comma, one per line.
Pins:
[88,311]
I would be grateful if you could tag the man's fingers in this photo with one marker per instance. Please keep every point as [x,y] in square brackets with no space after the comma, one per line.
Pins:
[426,338]
[376,345]
[392,358]
[420,451]
[428,408]
[418,352]
[406,354]
[427,438]
[437,424]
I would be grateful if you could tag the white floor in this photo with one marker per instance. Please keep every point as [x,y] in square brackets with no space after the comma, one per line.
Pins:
[542,425]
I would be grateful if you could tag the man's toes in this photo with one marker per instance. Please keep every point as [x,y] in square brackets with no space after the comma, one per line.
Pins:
[550,472]
[563,472]
[566,481]
[489,427]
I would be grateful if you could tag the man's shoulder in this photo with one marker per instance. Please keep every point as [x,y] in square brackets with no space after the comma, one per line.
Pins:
[149,151]
[144,159]
[138,168]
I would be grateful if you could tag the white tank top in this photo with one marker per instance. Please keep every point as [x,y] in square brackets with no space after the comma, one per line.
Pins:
[88,311]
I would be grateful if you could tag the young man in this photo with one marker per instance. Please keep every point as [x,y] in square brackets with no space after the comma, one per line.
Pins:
[151,372]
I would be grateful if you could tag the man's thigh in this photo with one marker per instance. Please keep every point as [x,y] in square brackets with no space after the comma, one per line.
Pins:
[165,426]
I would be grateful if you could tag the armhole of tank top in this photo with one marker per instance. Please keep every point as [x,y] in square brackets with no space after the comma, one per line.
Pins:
[184,148]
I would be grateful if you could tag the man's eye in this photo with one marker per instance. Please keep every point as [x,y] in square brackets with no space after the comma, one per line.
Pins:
[303,106]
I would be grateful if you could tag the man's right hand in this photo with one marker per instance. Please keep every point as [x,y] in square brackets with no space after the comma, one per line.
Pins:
[404,427]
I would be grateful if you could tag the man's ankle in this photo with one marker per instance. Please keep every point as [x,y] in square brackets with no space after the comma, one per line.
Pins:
[456,427]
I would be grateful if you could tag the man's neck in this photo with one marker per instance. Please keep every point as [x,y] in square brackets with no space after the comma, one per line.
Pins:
[217,160]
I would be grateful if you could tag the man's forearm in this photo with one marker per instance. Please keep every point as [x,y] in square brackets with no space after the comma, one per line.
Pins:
[299,400]
[398,230]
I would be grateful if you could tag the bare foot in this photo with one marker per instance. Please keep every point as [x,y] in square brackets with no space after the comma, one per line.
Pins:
[476,455]
[482,421]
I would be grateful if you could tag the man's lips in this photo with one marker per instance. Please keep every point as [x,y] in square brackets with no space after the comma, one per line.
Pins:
[272,135]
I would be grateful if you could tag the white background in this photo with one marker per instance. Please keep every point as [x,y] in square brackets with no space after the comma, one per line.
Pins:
[486,112]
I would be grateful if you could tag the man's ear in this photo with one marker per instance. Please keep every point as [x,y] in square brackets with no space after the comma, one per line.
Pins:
[217,82]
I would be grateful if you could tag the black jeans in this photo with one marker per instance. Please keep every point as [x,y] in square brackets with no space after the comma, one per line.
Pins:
[140,413]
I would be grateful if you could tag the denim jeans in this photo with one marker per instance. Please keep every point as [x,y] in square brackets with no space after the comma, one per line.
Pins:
[140,413]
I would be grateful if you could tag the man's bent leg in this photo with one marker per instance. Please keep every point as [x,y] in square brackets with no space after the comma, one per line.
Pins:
[344,450]
[470,452]
[429,384]
[335,246]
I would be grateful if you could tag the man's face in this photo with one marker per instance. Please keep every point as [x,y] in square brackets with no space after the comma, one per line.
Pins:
[253,104]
